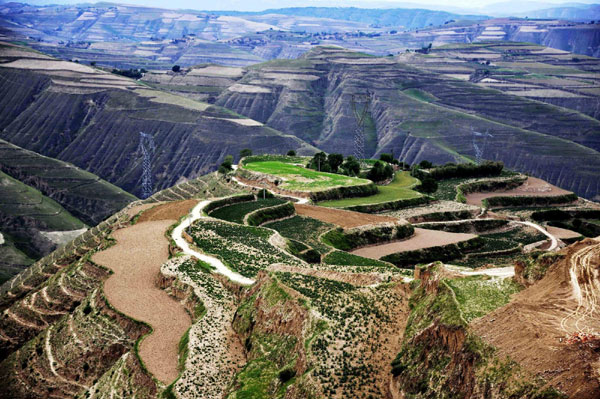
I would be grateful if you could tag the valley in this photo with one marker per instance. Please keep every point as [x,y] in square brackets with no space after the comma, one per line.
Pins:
[300,203]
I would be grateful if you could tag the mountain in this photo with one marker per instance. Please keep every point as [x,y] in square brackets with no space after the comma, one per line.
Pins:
[45,204]
[104,123]
[582,13]
[417,115]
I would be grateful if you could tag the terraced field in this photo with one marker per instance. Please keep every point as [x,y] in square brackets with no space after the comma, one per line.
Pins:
[236,213]
[398,189]
[299,178]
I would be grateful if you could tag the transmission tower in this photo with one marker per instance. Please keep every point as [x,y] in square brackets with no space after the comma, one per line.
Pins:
[479,149]
[147,148]
[360,109]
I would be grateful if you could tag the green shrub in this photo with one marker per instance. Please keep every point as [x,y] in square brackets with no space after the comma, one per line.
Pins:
[353,238]
[501,201]
[265,215]
[347,259]
[228,201]
[390,205]
[439,253]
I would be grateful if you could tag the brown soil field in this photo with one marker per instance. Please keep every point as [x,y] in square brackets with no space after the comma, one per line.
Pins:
[342,218]
[533,187]
[562,233]
[136,259]
[422,238]
[532,328]
[168,211]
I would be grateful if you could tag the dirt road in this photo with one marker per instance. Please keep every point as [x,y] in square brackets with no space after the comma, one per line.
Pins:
[136,259]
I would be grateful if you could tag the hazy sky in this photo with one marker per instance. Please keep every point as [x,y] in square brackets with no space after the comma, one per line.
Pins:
[257,5]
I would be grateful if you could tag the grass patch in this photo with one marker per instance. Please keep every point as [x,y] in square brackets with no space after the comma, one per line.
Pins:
[399,188]
[298,178]
[348,259]
[236,213]
[303,229]
[479,295]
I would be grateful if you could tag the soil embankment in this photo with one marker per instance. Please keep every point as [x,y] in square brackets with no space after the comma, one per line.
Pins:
[135,260]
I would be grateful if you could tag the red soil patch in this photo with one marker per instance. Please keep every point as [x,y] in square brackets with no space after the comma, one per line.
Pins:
[533,328]
[533,187]
[168,211]
[342,218]
[422,238]
[136,259]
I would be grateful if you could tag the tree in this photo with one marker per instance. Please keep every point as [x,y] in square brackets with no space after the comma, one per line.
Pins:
[176,68]
[351,166]
[380,172]
[428,185]
[246,152]
[291,153]
[318,160]
[386,158]
[425,164]
[334,161]
[227,165]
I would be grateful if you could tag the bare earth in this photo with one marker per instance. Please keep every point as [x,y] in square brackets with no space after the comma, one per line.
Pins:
[533,187]
[562,233]
[136,259]
[422,238]
[531,329]
[341,217]
[168,211]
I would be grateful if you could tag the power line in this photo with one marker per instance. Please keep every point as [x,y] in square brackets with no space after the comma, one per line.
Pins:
[147,148]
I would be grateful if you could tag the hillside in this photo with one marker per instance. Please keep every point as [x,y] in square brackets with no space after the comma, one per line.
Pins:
[257,297]
[46,203]
[126,36]
[418,113]
[103,123]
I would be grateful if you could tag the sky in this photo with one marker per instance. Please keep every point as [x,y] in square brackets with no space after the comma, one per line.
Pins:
[479,6]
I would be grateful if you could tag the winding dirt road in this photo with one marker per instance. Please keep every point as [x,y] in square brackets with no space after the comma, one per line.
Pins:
[136,259]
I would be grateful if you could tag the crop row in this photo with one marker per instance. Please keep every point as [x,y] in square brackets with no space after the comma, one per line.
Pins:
[244,249]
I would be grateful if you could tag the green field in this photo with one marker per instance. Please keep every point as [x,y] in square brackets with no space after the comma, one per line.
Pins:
[237,212]
[299,178]
[399,188]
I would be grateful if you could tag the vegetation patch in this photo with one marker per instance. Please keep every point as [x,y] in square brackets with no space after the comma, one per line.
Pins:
[236,212]
[440,253]
[265,215]
[479,295]
[243,249]
[347,259]
[398,189]
[304,229]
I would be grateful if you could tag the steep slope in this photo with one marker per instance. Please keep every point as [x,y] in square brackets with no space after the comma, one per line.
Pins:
[105,124]
[417,115]
[559,306]
[46,203]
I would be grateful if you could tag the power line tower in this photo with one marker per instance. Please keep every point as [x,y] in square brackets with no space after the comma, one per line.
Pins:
[147,148]
[479,147]
[360,109]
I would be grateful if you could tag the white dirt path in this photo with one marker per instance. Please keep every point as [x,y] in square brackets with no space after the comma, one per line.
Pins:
[197,213]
